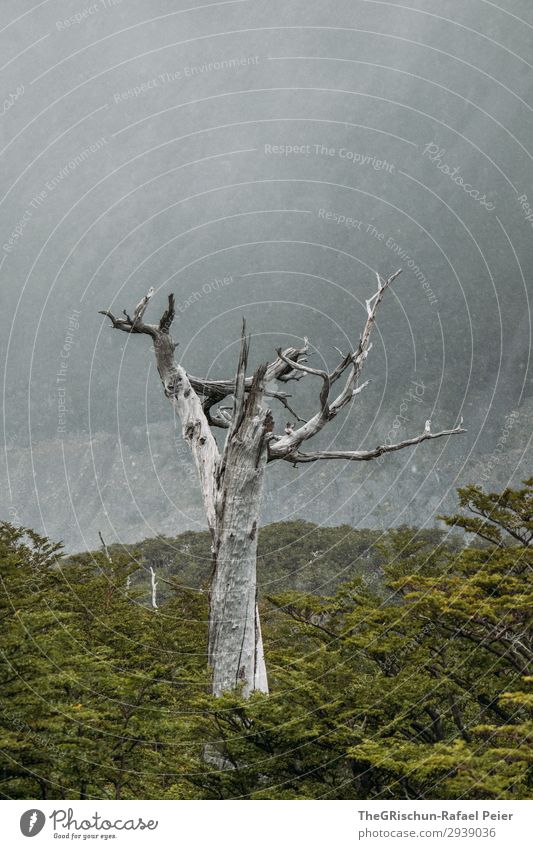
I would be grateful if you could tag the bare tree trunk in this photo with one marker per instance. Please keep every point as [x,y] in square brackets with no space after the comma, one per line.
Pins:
[235,644]
[231,490]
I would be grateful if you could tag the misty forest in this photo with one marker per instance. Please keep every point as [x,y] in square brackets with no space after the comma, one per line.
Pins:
[266,505]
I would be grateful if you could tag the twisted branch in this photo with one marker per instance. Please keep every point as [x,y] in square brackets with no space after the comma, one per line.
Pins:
[301,457]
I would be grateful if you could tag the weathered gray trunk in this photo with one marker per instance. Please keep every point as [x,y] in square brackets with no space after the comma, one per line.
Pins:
[235,643]
[231,488]
[235,646]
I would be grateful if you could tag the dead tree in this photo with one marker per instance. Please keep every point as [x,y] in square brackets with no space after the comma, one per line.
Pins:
[232,477]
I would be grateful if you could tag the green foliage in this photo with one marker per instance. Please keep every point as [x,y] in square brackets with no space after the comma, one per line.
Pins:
[402,671]
[497,516]
[413,688]
[294,555]
[93,682]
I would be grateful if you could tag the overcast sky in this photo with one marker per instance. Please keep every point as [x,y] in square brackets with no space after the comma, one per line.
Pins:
[260,159]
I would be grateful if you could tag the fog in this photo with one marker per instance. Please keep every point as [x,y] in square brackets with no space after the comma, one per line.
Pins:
[262,160]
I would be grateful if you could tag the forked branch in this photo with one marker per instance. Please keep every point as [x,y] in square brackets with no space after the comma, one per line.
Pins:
[136,324]
[350,365]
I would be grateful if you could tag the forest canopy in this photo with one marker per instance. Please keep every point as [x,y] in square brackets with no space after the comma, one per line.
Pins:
[400,665]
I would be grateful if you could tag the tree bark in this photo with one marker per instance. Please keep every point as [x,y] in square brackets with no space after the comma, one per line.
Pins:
[235,645]
[231,489]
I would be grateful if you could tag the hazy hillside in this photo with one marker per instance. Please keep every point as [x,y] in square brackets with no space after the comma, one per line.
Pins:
[293,555]
[145,484]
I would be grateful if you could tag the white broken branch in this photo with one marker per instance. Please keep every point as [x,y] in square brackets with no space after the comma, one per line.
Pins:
[301,457]
[154,587]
